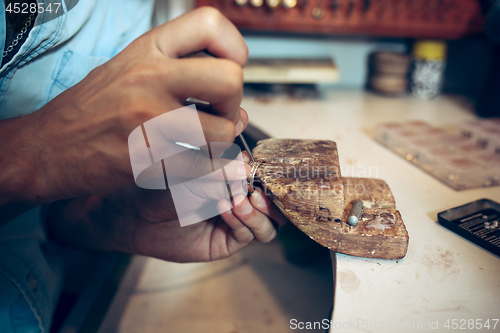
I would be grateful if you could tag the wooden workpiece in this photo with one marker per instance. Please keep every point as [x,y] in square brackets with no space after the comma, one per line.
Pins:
[303,179]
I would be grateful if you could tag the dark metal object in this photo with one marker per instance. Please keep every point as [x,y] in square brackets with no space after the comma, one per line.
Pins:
[476,221]
[247,148]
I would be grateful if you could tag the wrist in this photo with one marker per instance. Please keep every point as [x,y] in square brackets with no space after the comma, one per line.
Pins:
[92,223]
[18,182]
[21,187]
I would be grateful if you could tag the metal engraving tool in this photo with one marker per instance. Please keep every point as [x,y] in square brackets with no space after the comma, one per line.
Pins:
[253,164]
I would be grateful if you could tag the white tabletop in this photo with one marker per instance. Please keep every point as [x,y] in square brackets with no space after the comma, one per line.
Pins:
[442,277]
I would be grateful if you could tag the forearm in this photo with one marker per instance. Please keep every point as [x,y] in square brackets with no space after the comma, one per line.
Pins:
[21,185]
[77,144]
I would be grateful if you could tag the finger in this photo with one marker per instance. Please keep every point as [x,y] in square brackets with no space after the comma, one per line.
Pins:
[263,203]
[246,157]
[244,120]
[204,28]
[214,128]
[219,129]
[240,125]
[260,225]
[179,159]
[215,190]
[188,126]
[241,233]
[178,137]
[216,81]
[193,164]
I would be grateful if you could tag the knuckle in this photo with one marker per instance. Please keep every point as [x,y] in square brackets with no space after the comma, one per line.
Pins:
[259,225]
[242,228]
[166,71]
[243,57]
[136,75]
[243,234]
[248,237]
[136,104]
[220,130]
[268,236]
[233,78]
[147,72]
[210,18]
[246,53]
[226,131]
[264,229]
[134,112]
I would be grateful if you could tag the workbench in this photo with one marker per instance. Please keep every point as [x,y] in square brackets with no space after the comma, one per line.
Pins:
[443,276]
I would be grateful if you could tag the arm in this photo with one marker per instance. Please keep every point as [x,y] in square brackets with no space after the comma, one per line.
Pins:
[20,187]
[76,145]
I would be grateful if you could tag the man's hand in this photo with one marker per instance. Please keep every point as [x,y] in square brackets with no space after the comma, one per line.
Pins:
[77,144]
[144,222]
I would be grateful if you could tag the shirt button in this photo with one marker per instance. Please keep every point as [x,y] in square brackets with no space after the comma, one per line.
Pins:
[32,282]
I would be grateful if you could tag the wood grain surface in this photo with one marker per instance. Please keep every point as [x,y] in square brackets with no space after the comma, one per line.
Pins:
[303,179]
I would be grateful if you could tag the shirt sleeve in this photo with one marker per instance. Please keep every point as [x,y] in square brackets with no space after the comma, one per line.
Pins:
[16,314]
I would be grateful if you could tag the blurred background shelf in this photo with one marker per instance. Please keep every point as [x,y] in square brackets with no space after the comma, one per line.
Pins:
[444,19]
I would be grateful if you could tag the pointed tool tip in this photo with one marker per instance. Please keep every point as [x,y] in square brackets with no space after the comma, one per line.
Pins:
[247,148]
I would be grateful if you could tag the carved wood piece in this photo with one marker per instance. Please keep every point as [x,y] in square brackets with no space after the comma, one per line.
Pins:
[303,179]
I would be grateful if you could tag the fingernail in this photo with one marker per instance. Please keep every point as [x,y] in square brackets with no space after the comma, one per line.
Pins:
[224,207]
[239,187]
[246,157]
[238,199]
[246,207]
[258,199]
[239,128]
[244,170]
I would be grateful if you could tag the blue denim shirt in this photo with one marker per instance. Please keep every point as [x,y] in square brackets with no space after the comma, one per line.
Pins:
[56,55]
